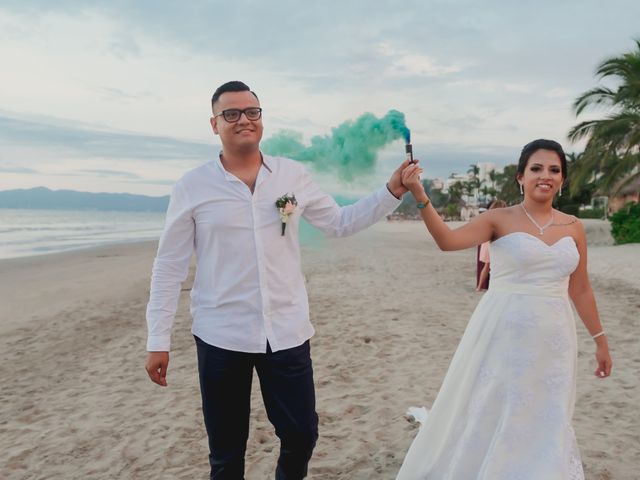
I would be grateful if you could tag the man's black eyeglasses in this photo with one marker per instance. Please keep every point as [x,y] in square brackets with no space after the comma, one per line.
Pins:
[232,115]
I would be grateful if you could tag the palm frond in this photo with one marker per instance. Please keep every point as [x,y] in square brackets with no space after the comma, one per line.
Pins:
[595,97]
[584,169]
[582,130]
[612,152]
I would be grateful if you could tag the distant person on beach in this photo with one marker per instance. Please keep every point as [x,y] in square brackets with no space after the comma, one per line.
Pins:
[483,256]
[505,407]
[240,215]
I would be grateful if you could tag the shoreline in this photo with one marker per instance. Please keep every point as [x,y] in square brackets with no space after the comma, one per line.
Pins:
[107,246]
[597,230]
[33,232]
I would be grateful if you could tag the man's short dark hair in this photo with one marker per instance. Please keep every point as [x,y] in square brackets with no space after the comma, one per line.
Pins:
[233,86]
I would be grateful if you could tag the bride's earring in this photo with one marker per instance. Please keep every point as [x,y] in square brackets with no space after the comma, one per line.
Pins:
[521,190]
[560,191]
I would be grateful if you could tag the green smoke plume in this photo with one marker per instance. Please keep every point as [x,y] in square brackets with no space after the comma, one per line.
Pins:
[350,150]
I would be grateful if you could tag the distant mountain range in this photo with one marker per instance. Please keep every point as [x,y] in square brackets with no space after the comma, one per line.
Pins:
[44,198]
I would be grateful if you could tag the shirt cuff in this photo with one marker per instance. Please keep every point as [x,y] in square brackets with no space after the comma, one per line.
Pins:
[387,195]
[158,343]
[393,194]
[387,199]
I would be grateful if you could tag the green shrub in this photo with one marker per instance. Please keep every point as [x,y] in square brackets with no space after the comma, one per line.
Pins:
[452,211]
[625,224]
[591,213]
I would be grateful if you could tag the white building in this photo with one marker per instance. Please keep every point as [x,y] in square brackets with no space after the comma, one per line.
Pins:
[485,168]
[455,178]
[437,184]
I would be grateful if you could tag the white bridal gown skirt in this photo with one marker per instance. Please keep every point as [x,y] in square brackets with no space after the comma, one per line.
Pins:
[504,409]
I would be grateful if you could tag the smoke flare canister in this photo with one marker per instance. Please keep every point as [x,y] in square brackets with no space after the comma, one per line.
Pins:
[409,151]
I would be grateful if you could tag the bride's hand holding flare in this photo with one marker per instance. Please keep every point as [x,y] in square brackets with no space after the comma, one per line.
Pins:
[411,180]
[395,184]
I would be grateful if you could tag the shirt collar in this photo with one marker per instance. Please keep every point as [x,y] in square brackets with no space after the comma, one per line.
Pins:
[218,162]
[264,162]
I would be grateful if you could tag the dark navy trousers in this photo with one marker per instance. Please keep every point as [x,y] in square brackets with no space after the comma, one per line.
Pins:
[286,382]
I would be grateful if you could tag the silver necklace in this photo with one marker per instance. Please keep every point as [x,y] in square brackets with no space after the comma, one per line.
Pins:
[540,228]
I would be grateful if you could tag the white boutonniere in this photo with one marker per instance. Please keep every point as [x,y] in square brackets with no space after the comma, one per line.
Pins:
[286,205]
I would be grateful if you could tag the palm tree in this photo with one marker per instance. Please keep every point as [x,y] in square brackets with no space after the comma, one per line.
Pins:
[507,188]
[456,192]
[473,184]
[613,147]
[582,185]
[493,178]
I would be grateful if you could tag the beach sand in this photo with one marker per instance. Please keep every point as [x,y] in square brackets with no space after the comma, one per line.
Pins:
[389,309]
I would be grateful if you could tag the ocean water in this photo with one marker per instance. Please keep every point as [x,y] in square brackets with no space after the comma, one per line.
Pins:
[26,232]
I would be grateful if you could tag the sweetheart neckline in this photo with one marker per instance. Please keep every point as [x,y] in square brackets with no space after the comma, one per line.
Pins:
[538,239]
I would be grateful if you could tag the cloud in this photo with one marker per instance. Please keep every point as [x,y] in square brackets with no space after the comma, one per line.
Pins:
[464,73]
[491,85]
[557,92]
[18,170]
[158,182]
[439,160]
[80,141]
[292,122]
[411,63]
[123,175]
[125,47]
[110,173]
[117,94]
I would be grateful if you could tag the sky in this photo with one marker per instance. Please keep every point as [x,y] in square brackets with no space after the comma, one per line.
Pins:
[115,96]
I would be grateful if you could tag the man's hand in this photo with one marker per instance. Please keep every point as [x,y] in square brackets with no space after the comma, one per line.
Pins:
[157,364]
[395,185]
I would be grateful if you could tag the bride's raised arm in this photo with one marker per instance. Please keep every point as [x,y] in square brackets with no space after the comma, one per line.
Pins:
[478,230]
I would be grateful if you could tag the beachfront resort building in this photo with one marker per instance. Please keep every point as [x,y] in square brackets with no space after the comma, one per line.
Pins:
[484,174]
[628,193]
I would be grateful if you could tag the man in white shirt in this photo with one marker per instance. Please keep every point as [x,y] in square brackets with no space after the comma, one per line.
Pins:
[248,301]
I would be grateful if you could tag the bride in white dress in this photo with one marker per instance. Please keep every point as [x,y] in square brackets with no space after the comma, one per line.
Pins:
[504,408]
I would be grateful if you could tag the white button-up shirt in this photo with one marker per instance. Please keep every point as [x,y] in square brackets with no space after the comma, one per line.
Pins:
[248,287]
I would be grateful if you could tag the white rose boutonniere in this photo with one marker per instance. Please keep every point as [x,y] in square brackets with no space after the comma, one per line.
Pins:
[286,205]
